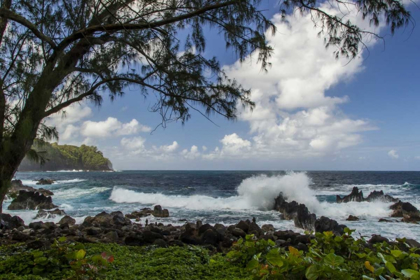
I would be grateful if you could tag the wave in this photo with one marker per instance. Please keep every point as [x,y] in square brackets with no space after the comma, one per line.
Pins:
[257,193]
[58,182]
[78,192]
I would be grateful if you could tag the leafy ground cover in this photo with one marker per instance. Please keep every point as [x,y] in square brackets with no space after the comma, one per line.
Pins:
[328,257]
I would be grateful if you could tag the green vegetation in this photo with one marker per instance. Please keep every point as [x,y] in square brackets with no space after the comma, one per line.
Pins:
[328,257]
[66,157]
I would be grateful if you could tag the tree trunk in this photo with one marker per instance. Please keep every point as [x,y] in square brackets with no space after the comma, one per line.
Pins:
[5,182]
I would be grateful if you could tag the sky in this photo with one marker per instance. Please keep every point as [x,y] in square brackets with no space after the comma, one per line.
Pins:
[313,112]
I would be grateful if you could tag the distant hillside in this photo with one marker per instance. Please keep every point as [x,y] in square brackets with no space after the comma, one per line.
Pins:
[67,157]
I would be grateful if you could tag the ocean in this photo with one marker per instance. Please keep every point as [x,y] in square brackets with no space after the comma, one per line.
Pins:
[229,196]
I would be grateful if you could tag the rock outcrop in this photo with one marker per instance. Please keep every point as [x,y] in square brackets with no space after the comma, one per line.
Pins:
[45,214]
[43,181]
[31,200]
[406,210]
[302,217]
[357,196]
[10,222]
[156,212]
[17,186]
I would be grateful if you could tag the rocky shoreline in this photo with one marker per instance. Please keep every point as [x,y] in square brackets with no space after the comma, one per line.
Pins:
[127,229]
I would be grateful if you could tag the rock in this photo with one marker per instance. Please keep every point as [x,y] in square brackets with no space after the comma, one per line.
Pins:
[326,224]
[304,219]
[385,221]
[93,231]
[211,237]
[243,226]
[49,214]
[352,218]
[160,243]
[113,220]
[190,237]
[406,210]
[267,228]
[221,229]
[112,236]
[19,236]
[204,228]
[355,195]
[38,245]
[134,241]
[67,220]
[43,181]
[36,225]
[377,239]
[31,200]
[16,186]
[380,196]
[255,229]
[295,211]
[159,212]
[238,232]
[413,243]
[45,192]
[10,222]
[150,236]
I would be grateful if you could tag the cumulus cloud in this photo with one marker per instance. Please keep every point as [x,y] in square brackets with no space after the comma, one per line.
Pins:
[112,127]
[294,116]
[193,153]
[393,154]
[135,145]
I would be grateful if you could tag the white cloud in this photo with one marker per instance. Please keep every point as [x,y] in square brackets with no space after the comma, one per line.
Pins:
[70,115]
[393,154]
[193,153]
[112,127]
[294,117]
[167,148]
[134,145]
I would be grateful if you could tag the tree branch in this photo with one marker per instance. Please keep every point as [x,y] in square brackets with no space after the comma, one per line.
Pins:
[139,26]
[7,14]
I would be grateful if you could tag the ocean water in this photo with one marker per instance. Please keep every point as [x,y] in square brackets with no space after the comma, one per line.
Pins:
[229,196]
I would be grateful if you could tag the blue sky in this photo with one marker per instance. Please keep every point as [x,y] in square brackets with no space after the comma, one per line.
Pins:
[313,112]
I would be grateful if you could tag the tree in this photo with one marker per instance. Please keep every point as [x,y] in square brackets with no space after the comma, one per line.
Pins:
[58,52]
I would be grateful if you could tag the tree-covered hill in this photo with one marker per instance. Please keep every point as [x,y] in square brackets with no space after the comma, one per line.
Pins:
[66,157]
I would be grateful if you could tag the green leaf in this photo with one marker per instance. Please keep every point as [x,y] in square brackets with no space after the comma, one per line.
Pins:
[80,254]
[390,267]
[62,239]
[37,254]
[252,264]
[312,272]
[409,273]
[271,242]
[275,258]
[333,260]
[396,253]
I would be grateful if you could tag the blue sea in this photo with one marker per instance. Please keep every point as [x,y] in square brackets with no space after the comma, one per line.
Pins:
[229,196]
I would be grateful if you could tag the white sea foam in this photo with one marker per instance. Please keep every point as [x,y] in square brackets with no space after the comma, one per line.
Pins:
[70,181]
[77,192]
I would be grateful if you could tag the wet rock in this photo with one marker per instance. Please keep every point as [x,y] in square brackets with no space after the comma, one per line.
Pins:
[19,236]
[16,186]
[221,229]
[31,200]
[190,237]
[112,236]
[380,196]
[134,241]
[43,181]
[238,232]
[204,228]
[304,219]
[377,239]
[156,212]
[326,224]
[385,221]
[8,221]
[352,218]
[255,229]
[160,243]
[93,231]
[406,210]
[267,228]
[303,238]
[115,219]
[413,243]
[45,192]
[67,220]
[243,226]
[50,214]
[211,237]
[150,236]
[159,212]
[355,195]
[38,244]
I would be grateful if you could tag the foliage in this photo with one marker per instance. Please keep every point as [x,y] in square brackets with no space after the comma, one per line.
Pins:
[65,157]
[328,257]
[64,260]
[129,263]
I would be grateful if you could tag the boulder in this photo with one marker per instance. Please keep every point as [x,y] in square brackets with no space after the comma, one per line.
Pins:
[326,224]
[16,186]
[67,220]
[49,214]
[43,181]
[352,218]
[406,210]
[31,200]
[10,222]
[113,220]
[157,212]
[45,192]
[355,195]
[211,237]
[377,239]
[295,211]
[380,196]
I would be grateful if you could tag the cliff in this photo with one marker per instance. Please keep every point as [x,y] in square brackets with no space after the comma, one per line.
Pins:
[67,157]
